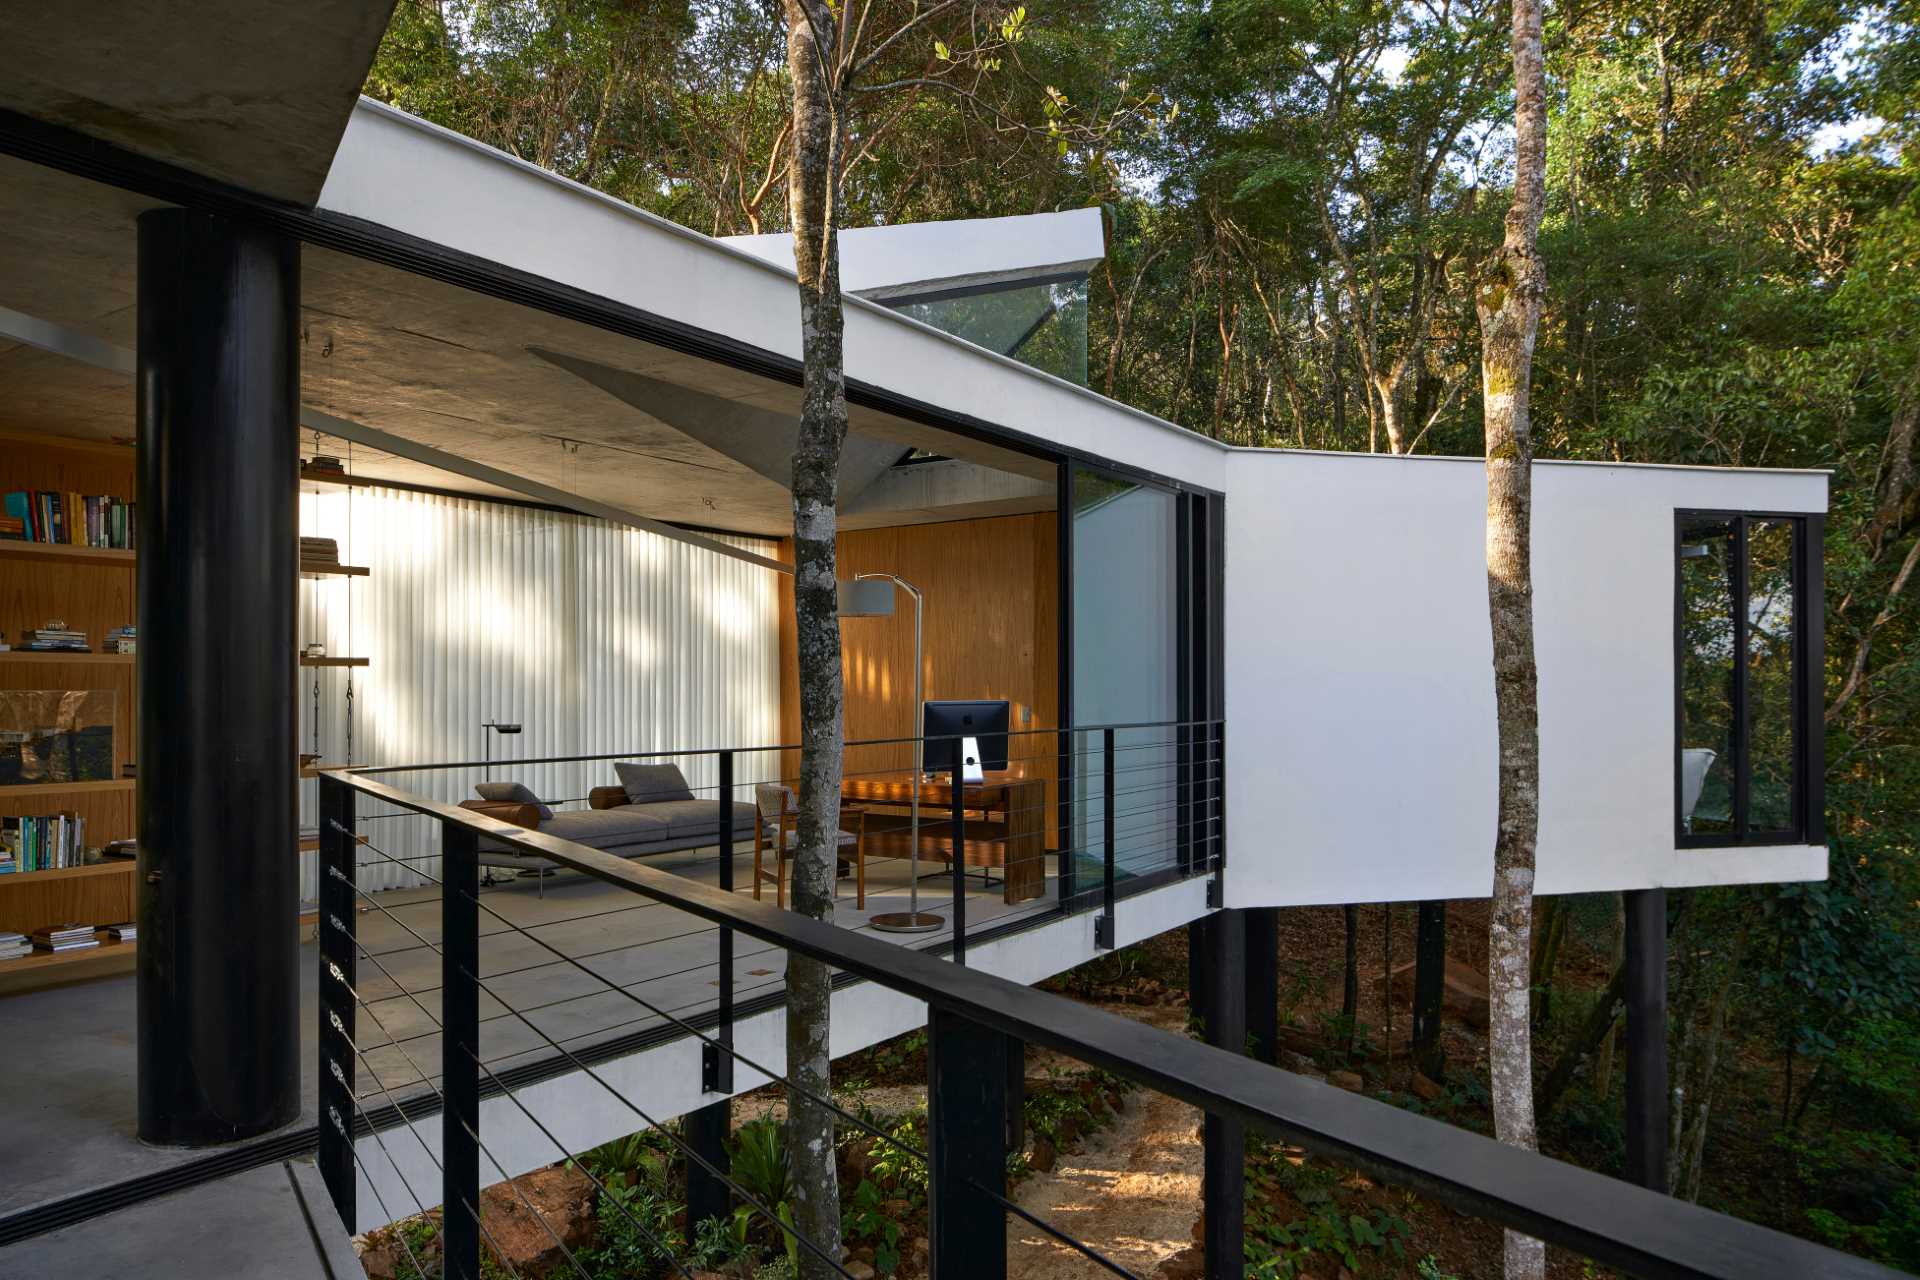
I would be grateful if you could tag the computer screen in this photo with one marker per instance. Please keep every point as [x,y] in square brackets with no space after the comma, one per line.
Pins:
[945,723]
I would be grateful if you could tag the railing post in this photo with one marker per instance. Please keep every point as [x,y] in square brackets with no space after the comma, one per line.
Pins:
[460,1050]
[336,1003]
[1103,928]
[707,1127]
[716,1065]
[966,1148]
[959,860]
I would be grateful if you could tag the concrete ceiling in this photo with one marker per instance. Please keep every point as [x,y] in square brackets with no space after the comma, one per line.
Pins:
[653,431]
[254,93]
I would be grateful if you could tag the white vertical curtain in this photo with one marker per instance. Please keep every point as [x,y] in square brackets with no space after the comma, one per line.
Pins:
[594,637]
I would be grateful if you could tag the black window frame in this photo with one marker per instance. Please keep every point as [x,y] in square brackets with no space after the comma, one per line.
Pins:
[1808,825]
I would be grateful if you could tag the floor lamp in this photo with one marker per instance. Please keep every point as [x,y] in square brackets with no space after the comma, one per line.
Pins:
[867,596]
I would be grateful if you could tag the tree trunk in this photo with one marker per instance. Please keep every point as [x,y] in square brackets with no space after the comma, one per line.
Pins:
[816,469]
[1508,302]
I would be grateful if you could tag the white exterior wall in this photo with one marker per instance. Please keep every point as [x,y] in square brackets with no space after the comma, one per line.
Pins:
[596,638]
[1360,684]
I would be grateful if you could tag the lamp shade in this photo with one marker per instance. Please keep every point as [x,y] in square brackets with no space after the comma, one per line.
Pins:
[869,598]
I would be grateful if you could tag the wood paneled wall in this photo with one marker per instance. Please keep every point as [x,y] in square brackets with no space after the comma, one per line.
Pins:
[991,631]
[91,596]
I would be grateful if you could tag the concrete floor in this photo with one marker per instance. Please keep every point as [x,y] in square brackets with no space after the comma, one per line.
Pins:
[77,1045]
[270,1223]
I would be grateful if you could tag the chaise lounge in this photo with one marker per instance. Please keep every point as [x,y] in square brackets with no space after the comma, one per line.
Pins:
[653,810]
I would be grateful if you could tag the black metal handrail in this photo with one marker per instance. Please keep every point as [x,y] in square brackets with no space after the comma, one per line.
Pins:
[1611,1221]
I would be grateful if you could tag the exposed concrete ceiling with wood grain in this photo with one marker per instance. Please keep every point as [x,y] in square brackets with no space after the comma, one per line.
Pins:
[653,431]
[253,93]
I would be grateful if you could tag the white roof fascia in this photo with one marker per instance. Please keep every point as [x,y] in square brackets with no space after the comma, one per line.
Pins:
[403,173]
[892,261]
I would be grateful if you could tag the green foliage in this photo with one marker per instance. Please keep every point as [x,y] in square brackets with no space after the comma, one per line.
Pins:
[1429,1268]
[717,1243]
[1325,1233]
[864,1220]
[759,1161]
[637,1238]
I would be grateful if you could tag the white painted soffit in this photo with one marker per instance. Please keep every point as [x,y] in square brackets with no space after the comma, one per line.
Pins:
[918,257]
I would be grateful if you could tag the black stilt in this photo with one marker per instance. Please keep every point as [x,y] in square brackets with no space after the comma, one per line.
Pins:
[1016,1095]
[460,1051]
[707,1130]
[1263,982]
[1646,1000]
[966,1143]
[217,403]
[1429,989]
[1224,1160]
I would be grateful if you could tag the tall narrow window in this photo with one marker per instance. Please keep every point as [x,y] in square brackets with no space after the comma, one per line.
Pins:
[1747,757]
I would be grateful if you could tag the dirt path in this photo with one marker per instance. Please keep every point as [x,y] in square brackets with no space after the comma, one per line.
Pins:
[1133,1194]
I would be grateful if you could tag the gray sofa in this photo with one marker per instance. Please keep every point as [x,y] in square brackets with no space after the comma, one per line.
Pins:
[653,810]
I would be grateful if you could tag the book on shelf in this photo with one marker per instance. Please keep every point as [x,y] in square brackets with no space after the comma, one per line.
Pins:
[14,945]
[54,640]
[64,937]
[69,518]
[126,931]
[119,640]
[49,842]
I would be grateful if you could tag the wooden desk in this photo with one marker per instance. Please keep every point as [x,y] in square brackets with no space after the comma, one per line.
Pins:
[1011,832]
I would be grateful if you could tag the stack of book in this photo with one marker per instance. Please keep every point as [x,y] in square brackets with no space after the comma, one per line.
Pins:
[119,640]
[64,937]
[46,843]
[14,945]
[126,931]
[8,863]
[75,519]
[319,554]
[54,640]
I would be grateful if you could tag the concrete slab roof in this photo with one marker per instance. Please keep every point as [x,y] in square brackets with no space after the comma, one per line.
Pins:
[255,95]
[489,380]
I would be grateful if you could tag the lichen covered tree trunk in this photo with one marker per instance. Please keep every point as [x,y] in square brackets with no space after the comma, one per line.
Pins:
[1508,301]
[816,470]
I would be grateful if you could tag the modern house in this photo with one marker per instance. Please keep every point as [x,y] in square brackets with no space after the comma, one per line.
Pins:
[450,473]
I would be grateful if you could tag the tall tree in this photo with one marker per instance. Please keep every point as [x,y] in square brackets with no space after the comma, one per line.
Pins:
[1508,301]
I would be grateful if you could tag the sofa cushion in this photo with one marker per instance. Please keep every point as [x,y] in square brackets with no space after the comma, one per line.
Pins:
[608,828]
[511,793]
[648,783]
[700,819]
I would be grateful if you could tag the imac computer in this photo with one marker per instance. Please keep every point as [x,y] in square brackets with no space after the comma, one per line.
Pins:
[967,737]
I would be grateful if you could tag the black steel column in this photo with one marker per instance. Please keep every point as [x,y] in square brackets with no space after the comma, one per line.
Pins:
[966,1147]
[217,405]
[1224,1161]
[460,1050]
[1429,989]
[708,1195]
[1263,982]
[1646,1000]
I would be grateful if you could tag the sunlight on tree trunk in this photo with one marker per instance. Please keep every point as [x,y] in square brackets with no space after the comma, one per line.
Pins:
[816,471]
[1508,302]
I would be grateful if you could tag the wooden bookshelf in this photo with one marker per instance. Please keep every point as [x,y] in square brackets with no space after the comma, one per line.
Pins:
[57,968]
[99,894]
[48,552]
[305,661]
[334,571]
[65,659]
[67,789]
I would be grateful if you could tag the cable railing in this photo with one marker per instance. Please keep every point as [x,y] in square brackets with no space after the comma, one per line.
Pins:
[437,1010]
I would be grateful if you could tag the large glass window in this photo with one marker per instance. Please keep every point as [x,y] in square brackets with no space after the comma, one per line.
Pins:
[1745,771]
[1125,669]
